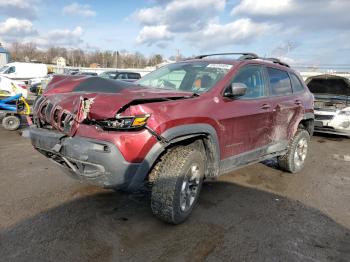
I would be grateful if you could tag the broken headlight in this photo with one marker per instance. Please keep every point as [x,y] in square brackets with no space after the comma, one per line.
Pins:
[124,122]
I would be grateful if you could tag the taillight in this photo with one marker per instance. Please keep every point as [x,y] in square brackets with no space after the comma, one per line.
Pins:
[22,86]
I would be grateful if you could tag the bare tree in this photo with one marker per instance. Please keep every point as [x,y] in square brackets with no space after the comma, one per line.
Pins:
[78,57]
[29,51]
[16,50]
[284,49]
[155,60]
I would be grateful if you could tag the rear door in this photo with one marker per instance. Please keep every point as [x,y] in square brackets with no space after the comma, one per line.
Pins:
[287,109]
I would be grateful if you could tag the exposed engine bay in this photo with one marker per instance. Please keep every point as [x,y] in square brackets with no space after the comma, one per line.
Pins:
[332,103]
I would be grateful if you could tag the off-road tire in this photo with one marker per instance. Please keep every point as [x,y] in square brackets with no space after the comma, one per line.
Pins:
[286,162]
[168,176]
[11,122]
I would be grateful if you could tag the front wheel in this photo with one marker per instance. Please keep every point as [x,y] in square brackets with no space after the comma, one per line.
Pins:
[177,181]
[294,160]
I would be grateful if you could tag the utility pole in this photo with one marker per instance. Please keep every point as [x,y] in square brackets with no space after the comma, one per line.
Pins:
[177,58]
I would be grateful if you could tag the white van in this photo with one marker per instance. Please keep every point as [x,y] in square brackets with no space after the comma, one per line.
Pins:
[23,71]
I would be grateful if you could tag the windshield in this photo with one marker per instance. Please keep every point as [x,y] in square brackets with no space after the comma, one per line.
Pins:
[197,77]
[3,69]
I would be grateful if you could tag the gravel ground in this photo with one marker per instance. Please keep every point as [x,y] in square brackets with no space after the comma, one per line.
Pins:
[257,213]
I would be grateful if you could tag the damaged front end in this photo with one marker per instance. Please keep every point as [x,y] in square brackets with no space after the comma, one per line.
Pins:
[120,122]
[332,115]
[95,159]
[332,104]
[100,130]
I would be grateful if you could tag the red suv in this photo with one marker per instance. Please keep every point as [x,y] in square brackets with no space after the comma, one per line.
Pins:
[176,126]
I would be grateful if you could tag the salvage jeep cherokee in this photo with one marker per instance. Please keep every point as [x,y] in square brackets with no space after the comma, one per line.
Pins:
[176,126]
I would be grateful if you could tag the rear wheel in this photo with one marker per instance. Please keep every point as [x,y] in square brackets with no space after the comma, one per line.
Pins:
[177,181]
[294,160]
[11,122]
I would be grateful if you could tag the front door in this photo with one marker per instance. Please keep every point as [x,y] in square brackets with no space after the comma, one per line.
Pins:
[246,120]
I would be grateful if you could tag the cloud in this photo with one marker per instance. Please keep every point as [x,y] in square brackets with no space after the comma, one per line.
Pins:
[307,15]
[263,8]
[181,15]
[13,29]
[240,31]
[76,9]
[19,8]
[22,30]
[152,34]
[167,19]
[61,38]
[150,16]
[195,21]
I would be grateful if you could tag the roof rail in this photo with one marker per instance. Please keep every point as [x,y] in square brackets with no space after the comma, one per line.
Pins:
[247,56]
[250,55]
[275,60]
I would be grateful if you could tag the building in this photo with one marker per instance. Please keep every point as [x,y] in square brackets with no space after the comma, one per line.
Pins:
[95,65]
[4,56]
[59,61]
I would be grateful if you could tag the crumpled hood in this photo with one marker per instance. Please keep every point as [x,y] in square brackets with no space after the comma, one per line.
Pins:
[105,106]
[93,98]
[329,85]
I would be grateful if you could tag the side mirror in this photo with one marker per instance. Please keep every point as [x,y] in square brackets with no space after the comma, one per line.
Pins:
[236,90]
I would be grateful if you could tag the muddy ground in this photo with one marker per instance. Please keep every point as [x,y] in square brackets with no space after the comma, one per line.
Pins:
[257,213]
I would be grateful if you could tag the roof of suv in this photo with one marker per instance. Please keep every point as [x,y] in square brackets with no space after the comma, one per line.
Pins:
[243,57]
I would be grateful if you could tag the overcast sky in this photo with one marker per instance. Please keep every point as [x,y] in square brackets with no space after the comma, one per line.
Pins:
[301,31]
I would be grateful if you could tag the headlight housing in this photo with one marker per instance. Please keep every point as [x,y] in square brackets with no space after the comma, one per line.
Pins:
[124,122]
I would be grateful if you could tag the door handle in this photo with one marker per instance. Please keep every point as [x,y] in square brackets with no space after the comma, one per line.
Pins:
[298,102]
[265,106]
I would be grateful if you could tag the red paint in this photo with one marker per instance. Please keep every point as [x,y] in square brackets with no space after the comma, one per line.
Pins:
[241,125]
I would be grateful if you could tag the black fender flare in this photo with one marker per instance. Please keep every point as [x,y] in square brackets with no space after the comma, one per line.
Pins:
[174,135]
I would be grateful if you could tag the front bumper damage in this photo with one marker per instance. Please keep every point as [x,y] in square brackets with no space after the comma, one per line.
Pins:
[94,161]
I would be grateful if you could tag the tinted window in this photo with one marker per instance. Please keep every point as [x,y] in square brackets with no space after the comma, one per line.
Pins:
[253,78]
[297,85]
[3,69]
[122,76]
[279,82]
[110,75]
[133,76]
[10,70]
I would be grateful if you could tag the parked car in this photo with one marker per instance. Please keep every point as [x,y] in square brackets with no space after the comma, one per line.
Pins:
[35,88]
[38,87]
[121,75]
[332,103]
[24,71]
[176,126]
[71,71]
[9,87]
[87,74]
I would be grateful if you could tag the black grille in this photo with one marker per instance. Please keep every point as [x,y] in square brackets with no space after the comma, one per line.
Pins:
[48,112]
[324,117]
